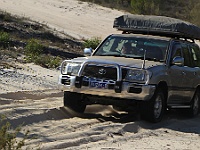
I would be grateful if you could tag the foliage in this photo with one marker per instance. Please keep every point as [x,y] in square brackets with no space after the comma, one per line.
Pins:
[145,7]
[92,43]
[117,4]
[195,13]
[185,10]
[34,53]
[47,61]
[34,42]
[33,48]
[4,39]
[5,16]
[8,140]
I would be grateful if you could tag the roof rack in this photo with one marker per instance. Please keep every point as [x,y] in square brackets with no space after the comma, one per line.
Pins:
[156,25]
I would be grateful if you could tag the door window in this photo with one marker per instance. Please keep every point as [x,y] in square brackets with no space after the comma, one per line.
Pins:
[176,51]
[195,55]
[186,55]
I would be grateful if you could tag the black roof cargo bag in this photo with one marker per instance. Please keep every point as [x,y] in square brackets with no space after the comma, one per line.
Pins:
[157,25]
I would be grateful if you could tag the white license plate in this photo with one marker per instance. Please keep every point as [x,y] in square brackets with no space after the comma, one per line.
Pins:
[100,85]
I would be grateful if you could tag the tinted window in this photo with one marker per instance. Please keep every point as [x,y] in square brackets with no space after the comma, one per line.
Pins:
[186,55]
[195,55]
[176,50]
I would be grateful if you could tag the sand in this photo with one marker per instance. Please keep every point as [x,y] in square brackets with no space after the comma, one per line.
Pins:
[30,95]
[78,19]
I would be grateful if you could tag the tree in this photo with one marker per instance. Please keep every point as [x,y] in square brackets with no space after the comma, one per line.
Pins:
[146,7]
[194,14]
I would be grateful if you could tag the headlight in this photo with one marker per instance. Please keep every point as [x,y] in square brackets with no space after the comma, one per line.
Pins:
[70,68]
[137,75]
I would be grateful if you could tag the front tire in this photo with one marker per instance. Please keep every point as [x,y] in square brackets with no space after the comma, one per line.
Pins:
[74,101]
[154,109]
[194,109]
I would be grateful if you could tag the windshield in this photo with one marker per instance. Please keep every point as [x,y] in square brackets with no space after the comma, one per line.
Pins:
[134,47]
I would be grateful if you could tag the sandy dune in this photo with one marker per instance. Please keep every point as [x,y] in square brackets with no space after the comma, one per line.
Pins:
[30,94]
[78,19]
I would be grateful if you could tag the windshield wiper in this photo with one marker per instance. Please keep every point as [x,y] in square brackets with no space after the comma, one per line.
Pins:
[140,57]
[116,55]
[153,59]
[110,55]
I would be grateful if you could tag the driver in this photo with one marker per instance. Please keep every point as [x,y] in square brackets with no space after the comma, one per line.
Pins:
[127,48]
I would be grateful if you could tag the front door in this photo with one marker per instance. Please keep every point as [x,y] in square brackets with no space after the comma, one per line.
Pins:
[176,75]
[189,73]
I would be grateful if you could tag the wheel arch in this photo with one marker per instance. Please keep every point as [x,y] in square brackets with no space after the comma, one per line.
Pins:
[195,91]
[163,86]
[197,88]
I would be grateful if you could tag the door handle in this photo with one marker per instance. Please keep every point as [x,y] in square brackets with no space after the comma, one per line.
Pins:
[183,73]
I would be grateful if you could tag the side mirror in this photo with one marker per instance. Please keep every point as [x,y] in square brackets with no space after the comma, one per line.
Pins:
[87,51]
[179,61]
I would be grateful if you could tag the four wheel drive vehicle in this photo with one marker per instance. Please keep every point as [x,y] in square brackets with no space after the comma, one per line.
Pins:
[160,70]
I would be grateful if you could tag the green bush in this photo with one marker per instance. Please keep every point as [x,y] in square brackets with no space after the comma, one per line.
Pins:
[147,7]
[54,62]
[46,61]
[195,13]
[33,48]
[34,53]
[4,39]
[92,43]
[8,140]
[5,16]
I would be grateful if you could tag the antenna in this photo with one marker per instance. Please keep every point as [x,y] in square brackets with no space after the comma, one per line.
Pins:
[143,65]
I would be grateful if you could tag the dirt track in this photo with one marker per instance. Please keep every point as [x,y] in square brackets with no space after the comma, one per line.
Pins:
[53,126]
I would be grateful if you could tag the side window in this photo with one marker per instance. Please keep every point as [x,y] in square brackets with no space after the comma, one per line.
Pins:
[108,45]
[195,51]
[186,55]
[176,51]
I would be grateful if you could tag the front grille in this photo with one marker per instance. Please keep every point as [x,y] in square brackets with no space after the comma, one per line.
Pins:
[65,80]
[102,72]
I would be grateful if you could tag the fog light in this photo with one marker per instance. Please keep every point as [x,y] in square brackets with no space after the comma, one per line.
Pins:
[78,82]
[118,86]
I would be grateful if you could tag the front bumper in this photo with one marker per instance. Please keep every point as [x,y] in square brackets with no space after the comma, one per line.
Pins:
[127,90]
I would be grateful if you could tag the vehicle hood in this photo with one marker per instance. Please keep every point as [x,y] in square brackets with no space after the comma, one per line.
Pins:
[122,61]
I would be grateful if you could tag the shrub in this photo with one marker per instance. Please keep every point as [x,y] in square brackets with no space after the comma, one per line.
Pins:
[4,39]
[34,53]
[5,16]
[54,62]
[47,61]
[33,48]
[145,7]
[194,14]
[8,140]
[92,43]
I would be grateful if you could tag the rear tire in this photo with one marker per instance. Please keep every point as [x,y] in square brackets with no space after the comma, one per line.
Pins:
[154,109]
[74,101]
